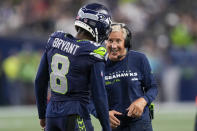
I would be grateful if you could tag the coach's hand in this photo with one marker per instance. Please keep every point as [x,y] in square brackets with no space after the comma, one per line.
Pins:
[42,123]
[137,107]
[114,122]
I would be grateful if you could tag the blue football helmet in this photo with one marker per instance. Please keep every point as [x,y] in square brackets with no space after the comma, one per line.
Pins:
[95,19]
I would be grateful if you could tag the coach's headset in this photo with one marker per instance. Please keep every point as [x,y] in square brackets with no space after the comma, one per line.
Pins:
[128,42]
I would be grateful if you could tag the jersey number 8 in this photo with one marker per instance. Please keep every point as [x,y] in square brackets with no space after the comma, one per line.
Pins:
[58,81]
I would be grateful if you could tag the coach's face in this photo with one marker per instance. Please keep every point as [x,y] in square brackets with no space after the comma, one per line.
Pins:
[115,46]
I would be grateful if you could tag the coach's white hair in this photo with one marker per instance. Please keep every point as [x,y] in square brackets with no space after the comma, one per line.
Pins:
[116,27]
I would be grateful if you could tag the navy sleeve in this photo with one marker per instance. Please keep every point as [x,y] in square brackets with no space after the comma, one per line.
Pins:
[41,86]
[149,83]
[99,94]
[91,108]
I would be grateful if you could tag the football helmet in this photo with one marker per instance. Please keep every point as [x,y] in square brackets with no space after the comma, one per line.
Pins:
[95,19]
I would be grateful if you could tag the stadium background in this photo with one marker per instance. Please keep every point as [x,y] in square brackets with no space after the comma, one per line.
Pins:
[165,30]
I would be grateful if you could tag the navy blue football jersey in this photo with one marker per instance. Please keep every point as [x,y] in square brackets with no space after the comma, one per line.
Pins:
[74,70]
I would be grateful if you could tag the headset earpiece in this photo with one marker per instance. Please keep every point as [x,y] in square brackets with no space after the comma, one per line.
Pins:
[128,39]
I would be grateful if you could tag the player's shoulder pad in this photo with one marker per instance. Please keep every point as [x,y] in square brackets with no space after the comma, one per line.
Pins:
[93,49]
[100,53]
[59,34]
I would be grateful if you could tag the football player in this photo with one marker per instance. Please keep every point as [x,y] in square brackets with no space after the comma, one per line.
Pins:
[73,67]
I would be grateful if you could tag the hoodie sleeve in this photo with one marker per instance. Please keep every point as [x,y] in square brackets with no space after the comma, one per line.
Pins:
[149,82]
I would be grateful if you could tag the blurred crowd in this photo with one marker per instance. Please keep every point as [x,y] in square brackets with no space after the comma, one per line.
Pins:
[165,30]
[36,17]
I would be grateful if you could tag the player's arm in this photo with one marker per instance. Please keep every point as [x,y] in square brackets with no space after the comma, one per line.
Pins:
[99,94]
[41,86]
[91,108]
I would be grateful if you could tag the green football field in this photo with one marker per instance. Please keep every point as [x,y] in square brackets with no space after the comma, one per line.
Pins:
[168,117]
